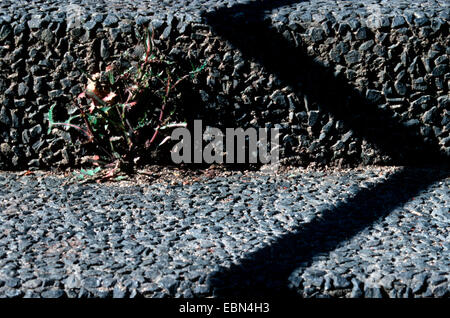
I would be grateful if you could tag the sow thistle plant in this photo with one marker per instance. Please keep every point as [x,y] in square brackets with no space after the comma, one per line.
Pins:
[127,111]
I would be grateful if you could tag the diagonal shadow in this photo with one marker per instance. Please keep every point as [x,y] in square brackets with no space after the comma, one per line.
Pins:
[245,27]
[266,272]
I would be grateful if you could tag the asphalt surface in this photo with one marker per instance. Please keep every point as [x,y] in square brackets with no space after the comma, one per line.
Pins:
[373,232]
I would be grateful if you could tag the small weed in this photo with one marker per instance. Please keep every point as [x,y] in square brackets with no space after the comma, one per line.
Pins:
[126,111]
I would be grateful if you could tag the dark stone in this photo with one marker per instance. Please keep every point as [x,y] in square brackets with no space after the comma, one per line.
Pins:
[104,48]
[157,24]
[33,283]
[140,20]
[54,293]
[114,33]
[35,23]
[398,22]
[440,70]
[362,33]
[47,36]
[429,116]
[366,45]
[356,290]
[22,90]
[419,84]
[419,283]
[373,292]
[35,131]
[166,33]
[354,24]
[90,25]
[313,117]
[443,59]
[374,96]
[55,93]
[380,50]
[12,282]
[316,34]
[91,283]
[437,24]
[13,293]
[400,88]
[352,57]
[202,290]
[4,117]
[119,292]
[440,291]
[110,20]
[437,279]
[98,17]
[341,282]
[421,21]
[279,99]
[313,281]
[343,28]
[169,283]
[5,31]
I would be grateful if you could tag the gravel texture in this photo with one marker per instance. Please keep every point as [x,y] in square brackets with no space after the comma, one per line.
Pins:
[373,232]
[347,82]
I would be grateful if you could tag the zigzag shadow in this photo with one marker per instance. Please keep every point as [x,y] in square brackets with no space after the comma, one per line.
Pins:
[265,272]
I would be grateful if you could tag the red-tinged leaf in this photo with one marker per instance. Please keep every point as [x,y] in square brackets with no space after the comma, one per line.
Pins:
[164,141]
[92,107]
[82,95]
[87,133]
[110,97]
[110,174]
[148,45]
[95,157]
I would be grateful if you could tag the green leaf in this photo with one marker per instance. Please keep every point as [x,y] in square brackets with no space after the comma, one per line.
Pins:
[79,175]
[120,178]
[92,119]
[98,169]
[111,78]
[50,118]
[72,118]
[105,109]
[90,172]
[198,69]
